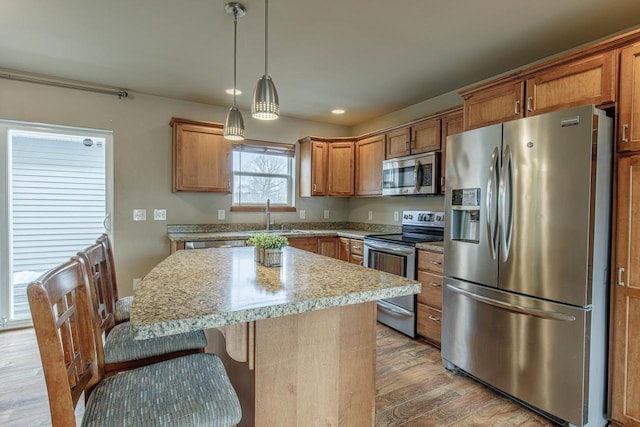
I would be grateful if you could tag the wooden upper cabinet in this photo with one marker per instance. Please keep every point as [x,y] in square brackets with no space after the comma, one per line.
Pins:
[313,168]
[369,157]
[495,105]
[586,81]
[398,143]
[341,172]
[625,352]
[425,136]
[629,101]
[451,124]
[201,157]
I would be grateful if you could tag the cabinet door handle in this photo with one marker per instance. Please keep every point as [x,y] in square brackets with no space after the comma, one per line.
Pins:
[434,318]
[530,103]
[434,284]
[407,145]
[516,110]
[620,273]
[228,183]
[435,262]
[314,188]
[624,133]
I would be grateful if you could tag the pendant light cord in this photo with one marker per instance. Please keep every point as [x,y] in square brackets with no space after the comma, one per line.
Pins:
[235,49]
[266,37]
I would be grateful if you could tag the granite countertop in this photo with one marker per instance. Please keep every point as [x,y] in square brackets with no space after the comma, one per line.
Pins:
[206,288]
[242,235]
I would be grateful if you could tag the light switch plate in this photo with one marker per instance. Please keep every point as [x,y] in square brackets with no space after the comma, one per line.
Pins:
[303,214]
[326,214]
[396,216]
[136,283]
[139,214]
[370,215]
[160,214]
[221,214]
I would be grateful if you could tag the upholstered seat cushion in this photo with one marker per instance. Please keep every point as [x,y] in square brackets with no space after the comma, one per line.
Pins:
[123,309]
[120,346]
[188,391]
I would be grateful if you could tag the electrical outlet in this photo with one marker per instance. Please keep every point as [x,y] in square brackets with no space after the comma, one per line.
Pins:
[159,214]
[139,214]
[326,214]
[136,283]
[303,214]
[396,216]
[221,214]
[370,215]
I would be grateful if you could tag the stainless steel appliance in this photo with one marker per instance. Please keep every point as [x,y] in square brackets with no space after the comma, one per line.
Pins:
[526,259]
[411,175]
[396,253]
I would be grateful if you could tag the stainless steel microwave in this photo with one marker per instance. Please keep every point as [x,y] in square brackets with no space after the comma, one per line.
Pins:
[410,175]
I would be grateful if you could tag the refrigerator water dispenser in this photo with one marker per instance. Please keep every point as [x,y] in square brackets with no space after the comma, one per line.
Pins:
[465,215]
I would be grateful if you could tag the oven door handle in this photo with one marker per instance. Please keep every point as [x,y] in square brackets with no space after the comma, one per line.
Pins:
[388,248]
[394,309]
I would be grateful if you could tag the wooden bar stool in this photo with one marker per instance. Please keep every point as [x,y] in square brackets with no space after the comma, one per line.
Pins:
[121,306]
[192,390]
[121,351]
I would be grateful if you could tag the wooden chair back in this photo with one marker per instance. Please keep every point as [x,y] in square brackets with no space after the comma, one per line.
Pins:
[65,331]
[106,243]
[96,259]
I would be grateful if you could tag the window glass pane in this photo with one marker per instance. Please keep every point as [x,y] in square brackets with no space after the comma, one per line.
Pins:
[256,190]
[258,177]
[261,163]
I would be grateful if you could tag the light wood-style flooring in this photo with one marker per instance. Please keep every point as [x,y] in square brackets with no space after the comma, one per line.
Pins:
[412,387]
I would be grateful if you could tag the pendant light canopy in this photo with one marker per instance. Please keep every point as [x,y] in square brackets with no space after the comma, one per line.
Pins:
[234,124]
[265,105]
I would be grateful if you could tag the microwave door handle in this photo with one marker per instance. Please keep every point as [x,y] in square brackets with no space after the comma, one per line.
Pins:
[491,189]
[417,175]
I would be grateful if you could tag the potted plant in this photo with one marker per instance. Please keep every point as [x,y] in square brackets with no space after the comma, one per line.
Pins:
[268,248]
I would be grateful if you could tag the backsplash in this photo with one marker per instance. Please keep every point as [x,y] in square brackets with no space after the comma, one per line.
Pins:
[227,227]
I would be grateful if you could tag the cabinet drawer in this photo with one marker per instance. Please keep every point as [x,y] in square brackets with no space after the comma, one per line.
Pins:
[430,261]
[431,293]
[357,259]
[357,247]
[429,323]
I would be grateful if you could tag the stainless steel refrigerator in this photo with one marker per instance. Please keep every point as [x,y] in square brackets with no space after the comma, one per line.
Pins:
[526,260]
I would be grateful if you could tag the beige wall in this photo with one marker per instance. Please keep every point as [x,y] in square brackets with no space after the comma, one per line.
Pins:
[384,207]
[142,162]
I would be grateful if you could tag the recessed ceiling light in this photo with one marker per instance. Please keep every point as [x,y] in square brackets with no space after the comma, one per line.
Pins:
[338,111]
[230,91]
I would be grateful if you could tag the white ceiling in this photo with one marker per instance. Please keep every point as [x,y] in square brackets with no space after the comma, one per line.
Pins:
[370,57]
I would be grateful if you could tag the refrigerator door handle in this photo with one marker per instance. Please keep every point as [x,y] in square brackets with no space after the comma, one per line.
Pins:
[553,315]
[506,190]
[491,185]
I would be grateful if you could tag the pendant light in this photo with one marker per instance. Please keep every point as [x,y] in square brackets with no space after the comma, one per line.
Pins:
[265,104]
[234,125]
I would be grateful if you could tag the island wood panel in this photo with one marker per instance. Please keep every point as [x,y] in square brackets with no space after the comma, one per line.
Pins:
[309,367]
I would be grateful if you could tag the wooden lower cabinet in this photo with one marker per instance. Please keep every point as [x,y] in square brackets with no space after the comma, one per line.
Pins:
[305,243]
[344,249]
[328,246]
[356,247]
[429,311]
[625,329]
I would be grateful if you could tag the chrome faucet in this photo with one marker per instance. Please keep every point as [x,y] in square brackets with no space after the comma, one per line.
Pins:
[268,214]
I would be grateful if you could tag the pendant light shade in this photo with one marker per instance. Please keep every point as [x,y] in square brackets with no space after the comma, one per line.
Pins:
[265,105]
[234,124]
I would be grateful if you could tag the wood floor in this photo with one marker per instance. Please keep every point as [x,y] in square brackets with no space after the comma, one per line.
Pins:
[412,387]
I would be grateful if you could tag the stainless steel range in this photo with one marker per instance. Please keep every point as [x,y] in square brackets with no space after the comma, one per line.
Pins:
[397,254]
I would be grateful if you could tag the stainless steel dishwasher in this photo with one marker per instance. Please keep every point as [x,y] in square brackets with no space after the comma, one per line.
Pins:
[214,244]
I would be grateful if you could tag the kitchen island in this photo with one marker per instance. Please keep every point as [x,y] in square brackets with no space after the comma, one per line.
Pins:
[298,341]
